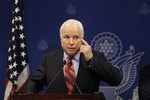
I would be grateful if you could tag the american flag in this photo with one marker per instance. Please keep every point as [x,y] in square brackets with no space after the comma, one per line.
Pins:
[17,65]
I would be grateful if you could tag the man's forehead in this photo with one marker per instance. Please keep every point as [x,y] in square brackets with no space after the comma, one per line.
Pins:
[72,34]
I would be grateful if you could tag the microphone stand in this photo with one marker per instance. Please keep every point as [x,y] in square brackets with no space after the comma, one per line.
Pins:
[53,79]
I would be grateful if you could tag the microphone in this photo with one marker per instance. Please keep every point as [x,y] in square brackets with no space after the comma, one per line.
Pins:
[64,62]
[77,87]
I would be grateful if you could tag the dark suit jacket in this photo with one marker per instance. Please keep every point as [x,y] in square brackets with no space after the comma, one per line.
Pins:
[144,83]
[88,78]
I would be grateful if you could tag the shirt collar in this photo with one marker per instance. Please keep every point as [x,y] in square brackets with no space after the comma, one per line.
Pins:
[76,57]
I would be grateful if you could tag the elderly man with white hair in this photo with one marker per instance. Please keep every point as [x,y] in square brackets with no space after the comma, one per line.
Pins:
[75,68]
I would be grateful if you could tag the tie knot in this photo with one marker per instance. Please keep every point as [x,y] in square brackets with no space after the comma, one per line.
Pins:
[70,58]
[69,61]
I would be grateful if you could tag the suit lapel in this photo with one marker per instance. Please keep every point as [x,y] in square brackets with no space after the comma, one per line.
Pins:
[81,74]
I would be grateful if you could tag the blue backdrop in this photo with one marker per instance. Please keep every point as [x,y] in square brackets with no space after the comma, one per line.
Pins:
[119,28]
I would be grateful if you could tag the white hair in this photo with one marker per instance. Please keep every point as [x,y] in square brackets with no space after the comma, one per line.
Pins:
[78,23]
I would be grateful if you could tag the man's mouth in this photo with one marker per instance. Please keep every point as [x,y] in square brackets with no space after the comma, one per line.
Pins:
[71,48]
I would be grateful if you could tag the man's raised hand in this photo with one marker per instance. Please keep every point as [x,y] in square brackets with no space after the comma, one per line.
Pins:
[86,50]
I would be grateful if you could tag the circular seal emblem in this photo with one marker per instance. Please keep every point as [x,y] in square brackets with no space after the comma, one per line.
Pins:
[108,43]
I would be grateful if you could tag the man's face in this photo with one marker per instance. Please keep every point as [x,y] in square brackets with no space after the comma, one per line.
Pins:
[71,39]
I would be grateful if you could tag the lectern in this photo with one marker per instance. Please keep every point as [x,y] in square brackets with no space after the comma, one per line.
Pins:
[24,96]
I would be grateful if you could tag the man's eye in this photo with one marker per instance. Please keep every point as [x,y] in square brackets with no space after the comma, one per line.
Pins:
[76,37]
[66,37]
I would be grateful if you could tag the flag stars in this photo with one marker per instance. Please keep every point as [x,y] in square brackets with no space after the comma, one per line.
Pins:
[16,18]
[21,27]
[17,10]
[12,30]
[16,27]
[21,36]
[12,21]
[13,38]
[14,47]
[14,64]
[10,67]
[19,18]
[23,54]
[16,61]
[11,76]
[15,73]
[16,1]
[22,45]
[9,49]
[23,63]
[9,58]
[15,82]
[15,55]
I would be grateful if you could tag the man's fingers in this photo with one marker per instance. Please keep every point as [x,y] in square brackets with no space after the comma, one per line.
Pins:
[81,49]
[84,42]
[85,49]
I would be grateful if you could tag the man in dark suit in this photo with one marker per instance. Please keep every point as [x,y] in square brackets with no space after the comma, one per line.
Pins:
[90,67]
[144,83]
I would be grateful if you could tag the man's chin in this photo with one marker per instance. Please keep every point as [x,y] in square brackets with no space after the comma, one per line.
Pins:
[71,53]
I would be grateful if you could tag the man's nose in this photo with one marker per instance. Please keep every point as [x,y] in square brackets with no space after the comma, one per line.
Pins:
[71,41]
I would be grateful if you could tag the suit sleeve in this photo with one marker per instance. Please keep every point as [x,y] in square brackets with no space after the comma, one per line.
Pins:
[37,81]
[144,83]
[105,70]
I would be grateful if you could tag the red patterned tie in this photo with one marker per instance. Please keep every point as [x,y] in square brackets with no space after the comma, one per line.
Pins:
[69,75]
